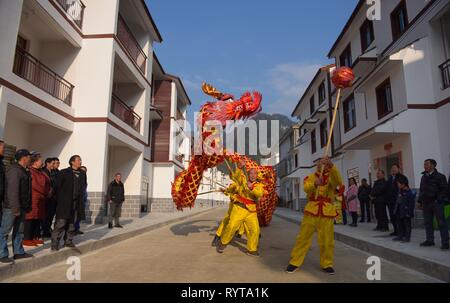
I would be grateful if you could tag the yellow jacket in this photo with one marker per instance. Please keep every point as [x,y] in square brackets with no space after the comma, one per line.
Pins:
[323,206]
[245,194]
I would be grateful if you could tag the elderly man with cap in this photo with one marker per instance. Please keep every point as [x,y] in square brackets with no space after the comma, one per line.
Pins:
[16,204]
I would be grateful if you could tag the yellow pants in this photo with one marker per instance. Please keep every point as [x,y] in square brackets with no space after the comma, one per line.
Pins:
[325,238]
[242,229]
[240,216]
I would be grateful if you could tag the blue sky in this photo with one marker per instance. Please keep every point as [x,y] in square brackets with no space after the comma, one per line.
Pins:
[275,47]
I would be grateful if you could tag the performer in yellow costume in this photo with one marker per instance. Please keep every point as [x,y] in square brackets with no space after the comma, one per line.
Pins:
[319,216]
[244,211]
[238,177]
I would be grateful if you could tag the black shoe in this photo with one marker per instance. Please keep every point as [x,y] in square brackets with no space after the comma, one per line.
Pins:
[405,240]
[110,226]
[215,241]
[23,256]
[54,248]
[69,245]
[362,221]
[118,226]
[220,247]
[329,270]
[399,239]
[368,221]
[6,260]
[384,230]
[427,244]
[79,232]
[253,254]
[394,234]
[445,247]
[291,269]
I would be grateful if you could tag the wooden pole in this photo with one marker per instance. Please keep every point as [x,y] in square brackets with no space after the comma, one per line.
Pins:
[210,192]
[330,136]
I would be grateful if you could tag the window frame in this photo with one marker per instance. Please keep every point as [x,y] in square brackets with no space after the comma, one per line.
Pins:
[322,93]
[382,101]
[346,54]
[323,133]
[345,108]
[395,26]
[367,25]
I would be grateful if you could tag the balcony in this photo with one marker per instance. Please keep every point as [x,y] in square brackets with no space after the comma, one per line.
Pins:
[131,45]
[445,70]
[31,69]
[125,113]
[75,9]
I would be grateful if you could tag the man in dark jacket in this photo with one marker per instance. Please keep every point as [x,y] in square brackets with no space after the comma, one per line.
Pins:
[2,175]
[70,185]
[432,197]
[115,197]
[379,195]
[364,200]
[16,204]
[392,189]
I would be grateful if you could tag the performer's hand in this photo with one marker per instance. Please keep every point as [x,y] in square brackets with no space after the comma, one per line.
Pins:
[318,182]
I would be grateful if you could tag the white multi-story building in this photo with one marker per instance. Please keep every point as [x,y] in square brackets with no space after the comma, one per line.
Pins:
[78,78]
[398,108]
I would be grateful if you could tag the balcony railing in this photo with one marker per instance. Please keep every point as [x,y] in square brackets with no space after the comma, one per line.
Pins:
[31,69]
[125,113]
[445,69]
[75,9]
[130,43]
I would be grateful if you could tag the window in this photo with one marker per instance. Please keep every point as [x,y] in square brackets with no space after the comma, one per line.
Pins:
[322,94]
[399,20]
[384,99]
[296,160]
[312,105]
[367,35]
[323,133]
[346,57]
[313,142]
[349,113]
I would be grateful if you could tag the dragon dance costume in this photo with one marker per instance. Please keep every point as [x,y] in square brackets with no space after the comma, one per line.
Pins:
[318,216]
[243,213]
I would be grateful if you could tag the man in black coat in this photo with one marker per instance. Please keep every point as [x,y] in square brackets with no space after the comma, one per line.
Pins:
[70,186]
[392,195]
[379,195]
[115,198]
[364,200]
[17,202]
[432,198]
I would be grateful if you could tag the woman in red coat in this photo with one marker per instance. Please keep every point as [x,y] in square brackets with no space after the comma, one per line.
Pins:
[40,191]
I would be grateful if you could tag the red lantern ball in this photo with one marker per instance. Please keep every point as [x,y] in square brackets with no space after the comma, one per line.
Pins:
[343,77]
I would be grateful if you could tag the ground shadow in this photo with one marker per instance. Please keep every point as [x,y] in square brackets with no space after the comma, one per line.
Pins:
[192,227]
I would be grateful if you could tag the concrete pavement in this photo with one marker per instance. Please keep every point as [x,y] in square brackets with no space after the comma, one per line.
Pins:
[429,260]
[182,252]
[96,237]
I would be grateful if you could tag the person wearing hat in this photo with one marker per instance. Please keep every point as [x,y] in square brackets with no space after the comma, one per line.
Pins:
[16,204]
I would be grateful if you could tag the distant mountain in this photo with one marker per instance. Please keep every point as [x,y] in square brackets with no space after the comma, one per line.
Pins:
[285,123]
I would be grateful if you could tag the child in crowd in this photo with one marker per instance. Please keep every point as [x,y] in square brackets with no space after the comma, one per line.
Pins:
[404,210]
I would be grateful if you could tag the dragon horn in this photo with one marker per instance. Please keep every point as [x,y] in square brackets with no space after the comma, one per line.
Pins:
[211,91]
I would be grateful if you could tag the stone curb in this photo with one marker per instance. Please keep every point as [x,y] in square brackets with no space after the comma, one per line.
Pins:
[427,267]
[32,264]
